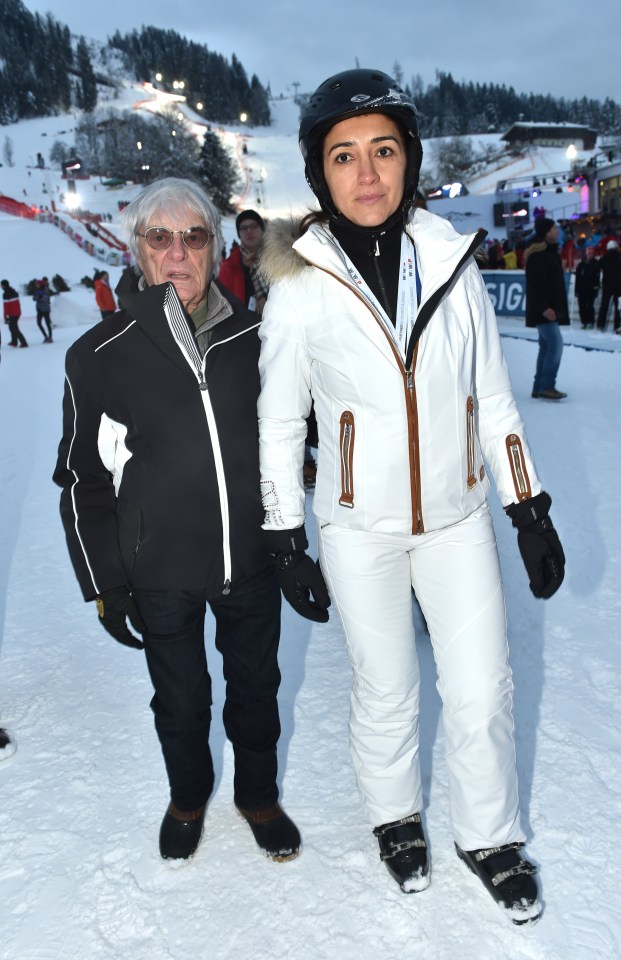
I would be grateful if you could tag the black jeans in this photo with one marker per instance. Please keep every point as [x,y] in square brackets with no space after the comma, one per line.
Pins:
[41,316]
[247,636]
[16,335]
[586,306]
[607,296]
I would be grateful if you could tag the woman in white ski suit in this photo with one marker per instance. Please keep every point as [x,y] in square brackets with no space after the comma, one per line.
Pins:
[405,425]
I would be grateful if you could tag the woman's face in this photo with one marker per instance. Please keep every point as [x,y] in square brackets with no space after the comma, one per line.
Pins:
[189,270]
[364,161]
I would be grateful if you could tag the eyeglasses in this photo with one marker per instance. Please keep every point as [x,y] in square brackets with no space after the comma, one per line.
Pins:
[160,238]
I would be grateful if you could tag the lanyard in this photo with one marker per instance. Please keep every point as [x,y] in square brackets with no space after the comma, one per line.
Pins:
[408,295]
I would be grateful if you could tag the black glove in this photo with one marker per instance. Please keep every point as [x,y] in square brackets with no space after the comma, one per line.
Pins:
[299,576]
[113,606]
[539,544]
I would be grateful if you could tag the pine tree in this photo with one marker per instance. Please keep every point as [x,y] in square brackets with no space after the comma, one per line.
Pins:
[217,172]
[8,153]
[87,84]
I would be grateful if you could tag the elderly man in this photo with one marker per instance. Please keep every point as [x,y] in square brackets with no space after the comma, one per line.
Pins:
[161,507]
[239,272]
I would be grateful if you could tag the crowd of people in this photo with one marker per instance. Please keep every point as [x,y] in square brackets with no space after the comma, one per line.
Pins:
[573,246]
[595,259]
[13,311]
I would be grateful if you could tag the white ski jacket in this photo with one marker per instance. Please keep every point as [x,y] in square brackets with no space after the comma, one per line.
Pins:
[402,444]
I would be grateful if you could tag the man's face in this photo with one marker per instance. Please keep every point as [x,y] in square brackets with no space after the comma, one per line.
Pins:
[189,270]
[552,234]
[250,234]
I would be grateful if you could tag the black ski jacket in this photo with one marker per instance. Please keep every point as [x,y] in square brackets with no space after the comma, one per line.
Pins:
[545,284]
[587,278]
[159,460]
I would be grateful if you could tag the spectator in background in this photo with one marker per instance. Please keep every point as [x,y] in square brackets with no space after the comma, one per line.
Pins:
[604,237]
[12,313]
[520,247]
[7,744]
[587,285]
[494,256]
[239,272]
[611,286]
[41,298]
[509,256]
[104,295]
[546,306]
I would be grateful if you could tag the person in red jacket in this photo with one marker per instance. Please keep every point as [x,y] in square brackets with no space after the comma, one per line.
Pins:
[103,295]
[239,272]
[12,313]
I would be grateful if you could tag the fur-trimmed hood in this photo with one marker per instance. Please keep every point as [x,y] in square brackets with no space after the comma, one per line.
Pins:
[278,259]
[438,243]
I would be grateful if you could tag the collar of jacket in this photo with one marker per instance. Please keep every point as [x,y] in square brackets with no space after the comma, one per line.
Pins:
[144,303]
[146,308]
[440,250]
[367,241]
[441,253]
[213,310]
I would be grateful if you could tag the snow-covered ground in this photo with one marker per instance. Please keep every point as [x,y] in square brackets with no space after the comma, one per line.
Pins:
[83,797]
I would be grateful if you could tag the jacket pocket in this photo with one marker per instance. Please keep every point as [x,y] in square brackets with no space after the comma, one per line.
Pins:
[517,462]
[471,478]
[346,443]
[137,542]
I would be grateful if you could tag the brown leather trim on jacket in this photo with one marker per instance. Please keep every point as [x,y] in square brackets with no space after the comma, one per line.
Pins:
[346,450]
[471,480]
[521,480]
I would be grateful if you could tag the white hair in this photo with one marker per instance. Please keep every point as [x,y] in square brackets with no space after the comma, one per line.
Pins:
[170,193]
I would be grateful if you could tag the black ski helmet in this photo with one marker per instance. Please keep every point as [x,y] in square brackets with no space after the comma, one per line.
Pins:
[343,96]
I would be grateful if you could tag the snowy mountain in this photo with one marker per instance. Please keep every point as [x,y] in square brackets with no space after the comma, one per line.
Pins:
[271,172]
[83,796]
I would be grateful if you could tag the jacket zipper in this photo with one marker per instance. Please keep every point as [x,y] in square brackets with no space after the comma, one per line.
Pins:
[348,433]
[380,280]
[471,480]
[220,473]
[409,387]
[418,525]
[199,373]
[517,462]
[220,476]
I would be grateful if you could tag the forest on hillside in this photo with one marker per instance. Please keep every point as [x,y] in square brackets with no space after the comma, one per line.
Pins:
[73,74]
[454,108]
[77,71]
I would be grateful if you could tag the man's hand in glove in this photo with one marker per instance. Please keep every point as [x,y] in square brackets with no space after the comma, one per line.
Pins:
[113,607]
[299,576]
[539,544]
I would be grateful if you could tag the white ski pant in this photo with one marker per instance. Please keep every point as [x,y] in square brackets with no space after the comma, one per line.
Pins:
[456,576]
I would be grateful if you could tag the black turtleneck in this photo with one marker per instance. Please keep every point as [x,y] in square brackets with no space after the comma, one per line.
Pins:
[376,253]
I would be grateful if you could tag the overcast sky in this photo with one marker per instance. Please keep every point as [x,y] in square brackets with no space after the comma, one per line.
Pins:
[563,47]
